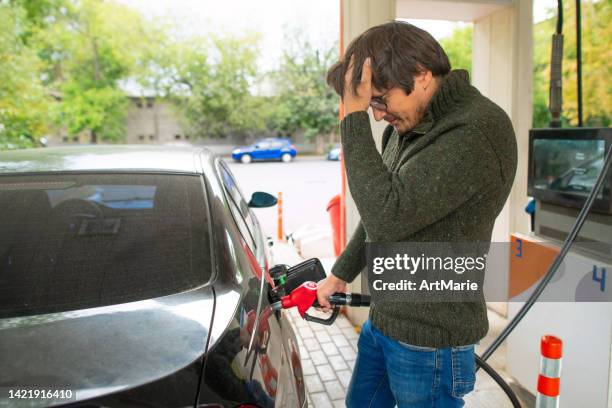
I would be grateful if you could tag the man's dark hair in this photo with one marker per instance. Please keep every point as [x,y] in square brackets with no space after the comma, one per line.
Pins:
[398,52]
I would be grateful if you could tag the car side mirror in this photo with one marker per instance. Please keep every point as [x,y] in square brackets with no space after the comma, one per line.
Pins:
[260,199]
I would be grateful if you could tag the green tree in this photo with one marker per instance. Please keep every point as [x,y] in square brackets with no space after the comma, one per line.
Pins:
[458,48]
[596,68]
[209,80]
[61,63]
[104,46]
[304,101]
[23,100]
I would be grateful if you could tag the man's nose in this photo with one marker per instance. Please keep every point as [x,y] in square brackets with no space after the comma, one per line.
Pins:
[378,114]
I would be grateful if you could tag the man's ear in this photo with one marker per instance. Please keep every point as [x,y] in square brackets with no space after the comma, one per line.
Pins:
[423,80]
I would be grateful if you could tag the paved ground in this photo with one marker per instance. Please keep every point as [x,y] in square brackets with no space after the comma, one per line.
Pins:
[328,356]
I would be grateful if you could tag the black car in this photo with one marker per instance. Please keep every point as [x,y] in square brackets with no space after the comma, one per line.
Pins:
[136,276]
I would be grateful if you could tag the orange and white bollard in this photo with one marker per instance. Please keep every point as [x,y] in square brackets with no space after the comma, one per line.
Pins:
[280,234]
[549,379]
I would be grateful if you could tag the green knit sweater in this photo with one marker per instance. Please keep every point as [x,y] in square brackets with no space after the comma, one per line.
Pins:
[446,180]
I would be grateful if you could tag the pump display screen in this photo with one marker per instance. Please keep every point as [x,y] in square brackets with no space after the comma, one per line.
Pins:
[567,165]
[564,165]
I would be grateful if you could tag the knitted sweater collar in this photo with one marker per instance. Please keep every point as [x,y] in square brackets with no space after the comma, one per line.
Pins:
[453,90]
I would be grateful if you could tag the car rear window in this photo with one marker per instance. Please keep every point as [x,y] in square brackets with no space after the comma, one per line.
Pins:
[75,241]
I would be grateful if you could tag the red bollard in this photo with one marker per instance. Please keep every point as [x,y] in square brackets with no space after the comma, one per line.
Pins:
[549,380]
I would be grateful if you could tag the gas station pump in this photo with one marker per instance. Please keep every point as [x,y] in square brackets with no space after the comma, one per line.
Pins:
[570,179]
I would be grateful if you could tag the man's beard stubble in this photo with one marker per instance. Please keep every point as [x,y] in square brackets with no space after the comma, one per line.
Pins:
[405,125]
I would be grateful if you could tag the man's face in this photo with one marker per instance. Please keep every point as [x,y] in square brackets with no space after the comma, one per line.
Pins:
[402,111]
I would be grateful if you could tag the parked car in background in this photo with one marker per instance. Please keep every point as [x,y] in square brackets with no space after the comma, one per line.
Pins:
[334,154]
[136,276]
[272,148]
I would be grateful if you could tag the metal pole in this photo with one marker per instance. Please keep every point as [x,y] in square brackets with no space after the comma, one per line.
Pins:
[579,60]
[342,168]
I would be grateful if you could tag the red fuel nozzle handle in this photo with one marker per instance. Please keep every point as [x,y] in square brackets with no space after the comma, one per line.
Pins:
[305,296]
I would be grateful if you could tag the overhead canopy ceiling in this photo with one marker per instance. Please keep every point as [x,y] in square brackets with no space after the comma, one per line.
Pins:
[453,10]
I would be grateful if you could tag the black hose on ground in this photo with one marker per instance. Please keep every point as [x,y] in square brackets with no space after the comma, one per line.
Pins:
[500,381]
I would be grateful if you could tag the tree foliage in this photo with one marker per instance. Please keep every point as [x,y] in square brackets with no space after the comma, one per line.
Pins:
[23,101]
[304,101]
[596,68]
[100,43]
[62,63]
[65,60]
[458,48]
[209,80]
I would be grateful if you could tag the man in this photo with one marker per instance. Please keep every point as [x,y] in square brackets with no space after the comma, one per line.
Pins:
[447,168]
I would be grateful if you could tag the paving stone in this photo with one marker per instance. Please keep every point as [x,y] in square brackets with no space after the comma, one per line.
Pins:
[350,333]
[338,363]
[339,340]
[318,357]
[351,363]
[317,327]
[343,322]
[329,349]
[339,403]
[303,352]
[322,336]
[354,344]
[326,373]
[320,400]
[333,329]
[335,390]
[300,323]
[306,332]
[347,352]
[345,377]
[312,344]
[313,384]
[308,367]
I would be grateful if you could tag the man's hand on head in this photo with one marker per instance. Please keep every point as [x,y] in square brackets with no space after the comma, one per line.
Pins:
[327,287]
[359,101]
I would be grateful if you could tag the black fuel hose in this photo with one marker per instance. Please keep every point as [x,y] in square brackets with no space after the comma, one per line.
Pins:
[500,381]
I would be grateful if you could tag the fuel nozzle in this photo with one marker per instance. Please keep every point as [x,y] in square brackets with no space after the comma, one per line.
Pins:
[305,296]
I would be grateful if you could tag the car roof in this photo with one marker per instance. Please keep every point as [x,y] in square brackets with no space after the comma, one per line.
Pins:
[275,139]
[100,158]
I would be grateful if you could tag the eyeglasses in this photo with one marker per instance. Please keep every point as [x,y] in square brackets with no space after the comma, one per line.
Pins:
[378,102]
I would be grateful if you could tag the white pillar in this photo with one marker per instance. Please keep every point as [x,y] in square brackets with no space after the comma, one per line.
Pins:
[358,16]
[502,70]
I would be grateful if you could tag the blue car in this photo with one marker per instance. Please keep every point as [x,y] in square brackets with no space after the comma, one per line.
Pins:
[266,149]
[334,154]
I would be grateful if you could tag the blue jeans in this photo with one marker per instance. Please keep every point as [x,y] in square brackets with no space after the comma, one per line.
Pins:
[388,372]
